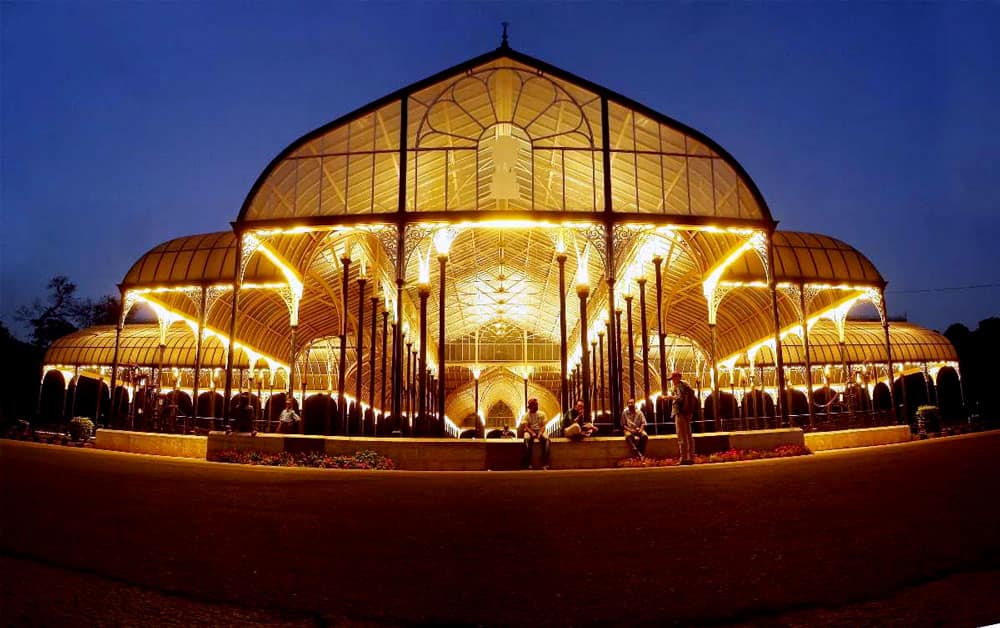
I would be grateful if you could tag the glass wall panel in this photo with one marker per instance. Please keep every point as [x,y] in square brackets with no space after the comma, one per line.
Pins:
[726,200]
[307,187]
[675,184]
[700,184]
[359,183]
[333,199]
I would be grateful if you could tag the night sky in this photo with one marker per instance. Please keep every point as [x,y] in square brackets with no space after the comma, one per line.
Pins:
[130,123]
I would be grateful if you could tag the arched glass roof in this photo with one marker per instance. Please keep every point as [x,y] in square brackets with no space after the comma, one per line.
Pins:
[199,260]
[503,132]
[140,346]
[864,343]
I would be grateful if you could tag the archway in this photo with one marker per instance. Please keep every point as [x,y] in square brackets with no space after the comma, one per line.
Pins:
[949,389]
[53,397]
[500,414]
[757,409]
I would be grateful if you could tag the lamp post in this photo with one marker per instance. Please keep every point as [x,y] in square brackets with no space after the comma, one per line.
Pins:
[442,243]
[423,290]
[561,259]
[645,345]
[475,375]
[345,259]
[597,380]
[657,261]
[631,343]
[371,351]
[362,282]
[583,291]
[408,385]
[618,356]
[604,390]
[385,343]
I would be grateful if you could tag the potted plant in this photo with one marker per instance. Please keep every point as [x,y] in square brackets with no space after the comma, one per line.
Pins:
[81,429]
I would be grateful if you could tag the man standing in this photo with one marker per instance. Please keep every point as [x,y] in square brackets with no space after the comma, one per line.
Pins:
[634,425]
[288,418]
[533,426]
[683,407]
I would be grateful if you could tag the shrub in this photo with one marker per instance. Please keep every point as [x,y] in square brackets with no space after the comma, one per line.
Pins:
[360,460]
[928,419]
[81,428]
[732,455]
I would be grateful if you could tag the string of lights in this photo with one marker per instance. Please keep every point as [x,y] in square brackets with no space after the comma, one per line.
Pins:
[945,289]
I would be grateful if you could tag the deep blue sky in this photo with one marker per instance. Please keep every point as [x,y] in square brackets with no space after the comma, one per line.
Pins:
[127,124]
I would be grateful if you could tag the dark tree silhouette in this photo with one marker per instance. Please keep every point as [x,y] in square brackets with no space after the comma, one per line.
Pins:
[976,352]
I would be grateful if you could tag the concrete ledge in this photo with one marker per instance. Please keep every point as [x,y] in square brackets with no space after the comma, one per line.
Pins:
[822,441]
[764,439]
[268,443]
[445,454]
[181,445]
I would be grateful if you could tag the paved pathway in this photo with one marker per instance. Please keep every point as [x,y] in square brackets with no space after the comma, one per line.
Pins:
[759,541]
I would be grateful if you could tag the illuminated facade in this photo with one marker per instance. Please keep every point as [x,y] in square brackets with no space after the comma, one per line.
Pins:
[498,231]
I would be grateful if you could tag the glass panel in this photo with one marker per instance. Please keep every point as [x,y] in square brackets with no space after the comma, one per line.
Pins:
[548,180]
[307,189]
[726,203]
[695,147]
[647,134]
[461,179]
[359,187]
[333,195]
[362,134]
[386,197]
[620,127]
[675,184]
[387,127]
[748,204]
[578,167]
[650,183]
[430,180]
[623,181]
[701,186]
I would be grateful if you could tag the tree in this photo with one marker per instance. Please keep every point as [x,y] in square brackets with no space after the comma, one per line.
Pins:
[976,352]
[63,312]
[103,311]
[19,372]
[55,316]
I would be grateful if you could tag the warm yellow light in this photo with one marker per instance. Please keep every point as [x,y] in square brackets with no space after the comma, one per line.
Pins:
[560,243]
[443,239]
[582,271]
[627,284]
[424,268]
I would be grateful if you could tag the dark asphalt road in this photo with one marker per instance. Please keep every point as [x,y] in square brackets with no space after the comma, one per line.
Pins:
[704,544]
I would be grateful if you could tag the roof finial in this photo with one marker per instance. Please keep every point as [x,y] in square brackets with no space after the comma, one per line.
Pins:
[503,40]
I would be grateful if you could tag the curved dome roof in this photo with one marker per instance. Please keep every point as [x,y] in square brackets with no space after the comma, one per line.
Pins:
[504,132]
[203,259]
[812,258]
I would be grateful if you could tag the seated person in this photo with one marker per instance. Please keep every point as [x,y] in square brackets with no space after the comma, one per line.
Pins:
[634,426]
[574,426]
[533,427]
[288,418]
[506,432]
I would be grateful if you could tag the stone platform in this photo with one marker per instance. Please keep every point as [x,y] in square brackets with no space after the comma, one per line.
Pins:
[445,454]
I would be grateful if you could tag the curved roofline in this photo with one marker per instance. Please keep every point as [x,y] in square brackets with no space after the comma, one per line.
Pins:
[499,53]
[880,284]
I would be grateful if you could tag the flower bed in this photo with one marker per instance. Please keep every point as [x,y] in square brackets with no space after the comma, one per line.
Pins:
[733,455]
[361,460]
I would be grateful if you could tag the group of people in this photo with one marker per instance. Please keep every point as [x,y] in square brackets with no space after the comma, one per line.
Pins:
[633,422]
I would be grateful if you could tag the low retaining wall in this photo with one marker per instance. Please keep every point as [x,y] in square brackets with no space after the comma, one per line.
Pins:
[823,441]
[438,454]
[180,445]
